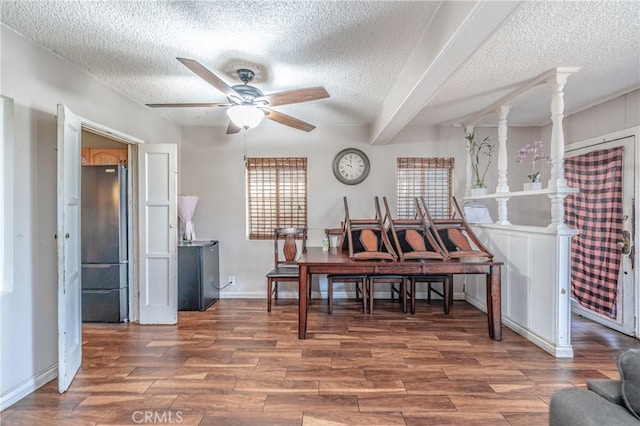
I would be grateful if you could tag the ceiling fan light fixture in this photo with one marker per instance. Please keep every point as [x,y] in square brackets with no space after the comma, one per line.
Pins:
[245,116]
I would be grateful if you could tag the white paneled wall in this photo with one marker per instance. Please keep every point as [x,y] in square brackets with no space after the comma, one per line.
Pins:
[534,281]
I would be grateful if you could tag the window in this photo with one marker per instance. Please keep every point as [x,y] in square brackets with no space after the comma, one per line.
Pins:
[431,178]
[276,195]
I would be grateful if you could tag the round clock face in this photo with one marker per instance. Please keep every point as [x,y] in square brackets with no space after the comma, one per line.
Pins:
[351,166]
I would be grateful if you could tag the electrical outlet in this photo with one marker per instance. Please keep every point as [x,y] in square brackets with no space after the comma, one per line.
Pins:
[232,280]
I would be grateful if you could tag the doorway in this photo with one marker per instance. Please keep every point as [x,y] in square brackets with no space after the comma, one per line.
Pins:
[106,229]
[154,267]
[603,277]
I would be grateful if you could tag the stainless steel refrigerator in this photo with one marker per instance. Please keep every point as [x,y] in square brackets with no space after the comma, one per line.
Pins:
[104,226]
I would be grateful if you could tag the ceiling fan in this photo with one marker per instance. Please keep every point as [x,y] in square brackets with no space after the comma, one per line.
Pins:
[247,105]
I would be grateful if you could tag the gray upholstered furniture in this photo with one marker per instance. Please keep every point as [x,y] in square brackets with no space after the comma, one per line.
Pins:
[606,402]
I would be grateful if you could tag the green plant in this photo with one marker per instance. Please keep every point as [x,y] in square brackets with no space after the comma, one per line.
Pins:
[477,150]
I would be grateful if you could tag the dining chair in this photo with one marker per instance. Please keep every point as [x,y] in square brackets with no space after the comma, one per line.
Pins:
[446,294]
[411,240]
[366,238]
[453,234]
[359,280]
[397,283]
[286,253]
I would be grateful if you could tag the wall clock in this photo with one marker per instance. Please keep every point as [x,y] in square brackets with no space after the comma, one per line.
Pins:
[351,166]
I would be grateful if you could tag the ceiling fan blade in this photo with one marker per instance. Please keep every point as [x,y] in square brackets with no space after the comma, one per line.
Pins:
[287,120]
[295,96]
[233,128]
[190,105]
[202,72]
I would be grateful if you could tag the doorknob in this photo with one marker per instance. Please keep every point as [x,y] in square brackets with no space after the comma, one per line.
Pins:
[625,243]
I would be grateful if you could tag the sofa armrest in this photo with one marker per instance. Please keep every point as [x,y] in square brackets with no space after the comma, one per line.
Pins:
[573,406]
[609,389]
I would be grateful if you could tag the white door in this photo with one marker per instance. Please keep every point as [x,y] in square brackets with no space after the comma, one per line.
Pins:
[158,233]
[622,318]
[68,241]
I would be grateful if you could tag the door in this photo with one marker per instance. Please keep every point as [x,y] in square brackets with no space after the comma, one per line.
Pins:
[68,243]
[603,287]
[158,233]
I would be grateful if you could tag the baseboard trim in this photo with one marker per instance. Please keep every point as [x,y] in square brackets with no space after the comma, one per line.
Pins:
[558,351]
[283,294]
[28,387]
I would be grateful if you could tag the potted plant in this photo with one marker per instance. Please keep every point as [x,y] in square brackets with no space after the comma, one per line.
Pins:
[479,149]
[535,150]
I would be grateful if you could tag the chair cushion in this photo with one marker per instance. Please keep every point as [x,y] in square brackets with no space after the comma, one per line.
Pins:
[629,366]
[448,244]
[611,390]
[357,242]
[405,246]
[284,272]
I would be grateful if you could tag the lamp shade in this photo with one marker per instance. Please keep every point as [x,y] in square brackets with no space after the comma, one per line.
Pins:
[245,116]
[186,208]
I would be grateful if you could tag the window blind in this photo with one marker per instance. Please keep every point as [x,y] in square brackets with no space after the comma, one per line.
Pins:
[431,178]
[276,195]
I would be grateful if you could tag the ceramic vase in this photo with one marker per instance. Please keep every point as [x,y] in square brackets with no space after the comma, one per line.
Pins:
[531,186]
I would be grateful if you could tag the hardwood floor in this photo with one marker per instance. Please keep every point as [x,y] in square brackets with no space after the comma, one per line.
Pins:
[236,364]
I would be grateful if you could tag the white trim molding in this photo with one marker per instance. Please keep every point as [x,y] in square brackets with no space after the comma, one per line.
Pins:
[27,387]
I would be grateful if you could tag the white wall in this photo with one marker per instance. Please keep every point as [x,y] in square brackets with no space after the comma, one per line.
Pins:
[622,112]
[212,168]
[37,81]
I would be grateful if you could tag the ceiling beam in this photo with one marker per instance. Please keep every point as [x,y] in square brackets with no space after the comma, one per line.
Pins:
[454,34]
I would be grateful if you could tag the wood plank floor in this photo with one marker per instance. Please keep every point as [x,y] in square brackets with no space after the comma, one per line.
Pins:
[236,364]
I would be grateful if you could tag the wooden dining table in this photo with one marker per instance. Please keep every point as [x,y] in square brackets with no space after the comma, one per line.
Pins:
[315,260]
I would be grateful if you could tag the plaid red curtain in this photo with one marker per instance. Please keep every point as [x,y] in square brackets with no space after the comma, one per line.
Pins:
[597,213]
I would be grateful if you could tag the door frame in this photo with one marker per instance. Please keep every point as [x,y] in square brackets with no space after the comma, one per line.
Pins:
[635,273]
[132,207]
[69,235]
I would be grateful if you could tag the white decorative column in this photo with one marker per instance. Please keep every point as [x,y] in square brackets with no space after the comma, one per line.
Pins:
[503,184]
[468,184]
[557,181]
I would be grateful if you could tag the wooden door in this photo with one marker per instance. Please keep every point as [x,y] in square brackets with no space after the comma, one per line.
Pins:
[158,233]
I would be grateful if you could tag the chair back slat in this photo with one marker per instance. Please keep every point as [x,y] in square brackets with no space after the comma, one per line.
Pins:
[285,246]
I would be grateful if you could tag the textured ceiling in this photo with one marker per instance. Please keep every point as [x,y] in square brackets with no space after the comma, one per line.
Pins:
[355,49]
[603,38]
